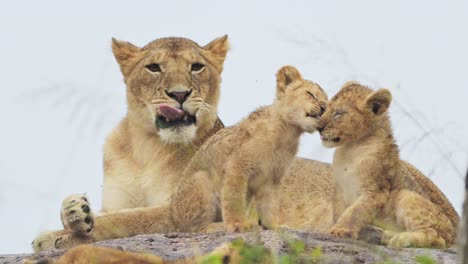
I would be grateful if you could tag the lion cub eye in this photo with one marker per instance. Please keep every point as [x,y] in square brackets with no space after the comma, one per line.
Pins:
[311,94]
[338,114]
[196,67]
[154,67]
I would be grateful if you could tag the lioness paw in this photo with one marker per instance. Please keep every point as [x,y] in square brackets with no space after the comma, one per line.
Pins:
[344,232]
[62,239]
[76,214]
[45,240]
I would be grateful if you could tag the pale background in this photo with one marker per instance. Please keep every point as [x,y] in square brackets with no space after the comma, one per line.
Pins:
[62,91]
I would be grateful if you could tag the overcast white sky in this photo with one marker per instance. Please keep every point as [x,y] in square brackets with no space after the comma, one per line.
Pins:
[62,91]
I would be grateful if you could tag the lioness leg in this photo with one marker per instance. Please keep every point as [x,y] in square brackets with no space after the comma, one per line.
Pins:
[425,224]
[317,217]
[194,204]
[124,223]
[77,220]
[58,239]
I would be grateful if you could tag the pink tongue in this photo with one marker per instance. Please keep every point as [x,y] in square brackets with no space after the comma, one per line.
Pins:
[171,112]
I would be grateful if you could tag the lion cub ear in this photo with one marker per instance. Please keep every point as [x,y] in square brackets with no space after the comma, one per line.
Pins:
[218,49]
[379,101]
[124,52]
[284,77]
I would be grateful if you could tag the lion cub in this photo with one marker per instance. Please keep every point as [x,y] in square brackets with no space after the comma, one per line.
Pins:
[378,187]
[248,160]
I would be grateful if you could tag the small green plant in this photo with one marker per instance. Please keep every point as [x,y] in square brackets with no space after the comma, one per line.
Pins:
[295,251]
[212,259]
[423,259]
[316,254]
[252,253]
[242,253]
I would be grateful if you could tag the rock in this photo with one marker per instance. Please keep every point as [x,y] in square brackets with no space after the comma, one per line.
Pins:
[332,250]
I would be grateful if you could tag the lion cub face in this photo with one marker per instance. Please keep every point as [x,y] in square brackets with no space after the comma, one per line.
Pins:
[172,84]
[353,113]
[301,102]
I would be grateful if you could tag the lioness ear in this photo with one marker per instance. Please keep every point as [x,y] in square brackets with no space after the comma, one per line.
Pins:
[284,77]
[124,52]
[379,101]
[218,48]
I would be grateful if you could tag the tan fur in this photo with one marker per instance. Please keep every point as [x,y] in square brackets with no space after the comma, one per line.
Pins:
[377,187]
[140,168]
[308,198]
[248,161]
[91,254]
[84,254]
[142,171]
[135,147]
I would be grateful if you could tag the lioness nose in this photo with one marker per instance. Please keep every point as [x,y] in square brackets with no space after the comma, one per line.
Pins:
[180,97]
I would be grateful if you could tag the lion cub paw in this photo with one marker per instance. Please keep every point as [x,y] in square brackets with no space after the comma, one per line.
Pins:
[410,239]
[371,234]
[76,214]
[344,232]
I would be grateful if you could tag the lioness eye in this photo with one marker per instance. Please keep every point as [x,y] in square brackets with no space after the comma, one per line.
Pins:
[153,67]
[197,67]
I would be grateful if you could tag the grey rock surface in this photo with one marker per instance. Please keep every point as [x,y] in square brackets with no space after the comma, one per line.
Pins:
[334,250]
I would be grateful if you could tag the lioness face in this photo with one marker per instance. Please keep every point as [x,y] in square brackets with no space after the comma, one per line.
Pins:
[352,114]
[172,85]
[302,102]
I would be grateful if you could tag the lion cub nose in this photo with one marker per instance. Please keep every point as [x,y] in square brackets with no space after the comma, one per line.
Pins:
[320,128]
[180,97]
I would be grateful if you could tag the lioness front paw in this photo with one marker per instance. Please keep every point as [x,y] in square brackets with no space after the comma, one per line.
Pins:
[344,232]
[76,214]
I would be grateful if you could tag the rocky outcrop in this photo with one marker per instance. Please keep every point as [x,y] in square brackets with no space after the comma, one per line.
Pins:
[327,249]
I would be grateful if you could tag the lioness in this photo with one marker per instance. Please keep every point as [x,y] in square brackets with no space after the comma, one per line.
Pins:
[172,96]
[377,186]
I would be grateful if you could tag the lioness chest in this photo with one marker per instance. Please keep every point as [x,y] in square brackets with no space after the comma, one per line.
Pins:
[157,183]
[144,176]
